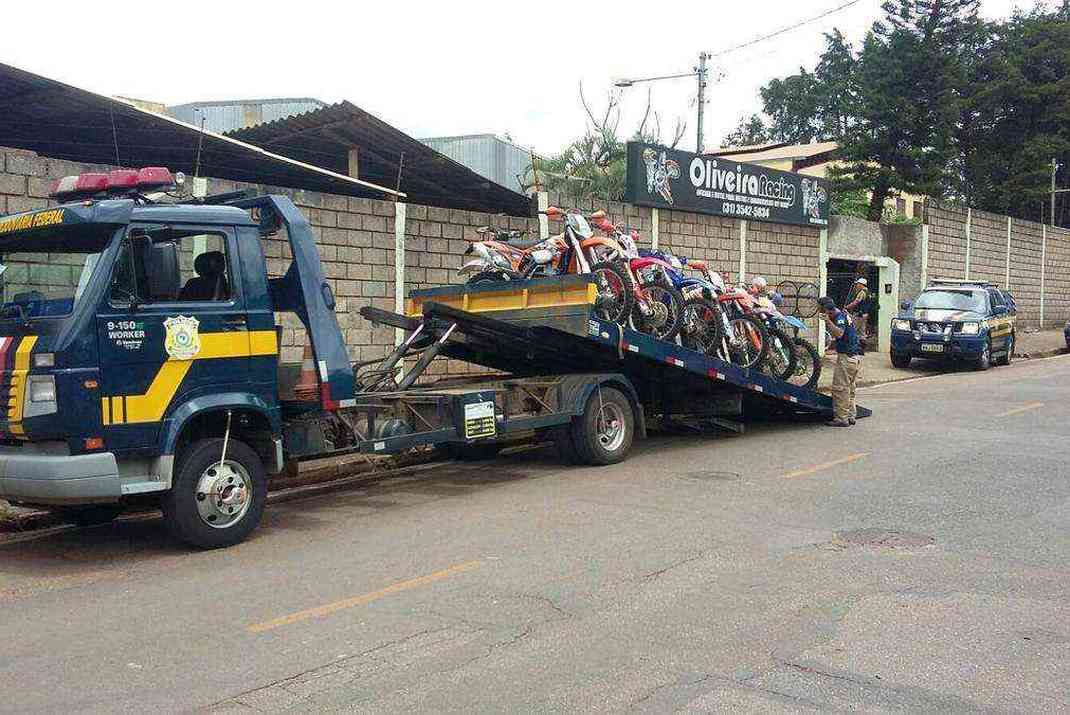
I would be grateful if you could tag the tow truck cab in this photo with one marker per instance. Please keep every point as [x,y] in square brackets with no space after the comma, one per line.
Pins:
[135,337]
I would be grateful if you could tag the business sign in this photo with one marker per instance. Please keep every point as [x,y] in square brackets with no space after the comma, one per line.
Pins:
[667,178]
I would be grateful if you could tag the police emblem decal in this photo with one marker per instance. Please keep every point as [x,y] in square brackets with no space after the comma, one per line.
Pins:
[183,341]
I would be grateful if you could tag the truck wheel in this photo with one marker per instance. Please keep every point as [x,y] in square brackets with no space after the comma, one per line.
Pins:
[91,514]
[900,361]
[604,433]
[213,504]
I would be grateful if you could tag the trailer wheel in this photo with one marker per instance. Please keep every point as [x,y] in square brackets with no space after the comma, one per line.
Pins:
[604,433]
[211,503]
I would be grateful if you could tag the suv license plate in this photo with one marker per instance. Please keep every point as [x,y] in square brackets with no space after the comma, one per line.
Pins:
[932,348]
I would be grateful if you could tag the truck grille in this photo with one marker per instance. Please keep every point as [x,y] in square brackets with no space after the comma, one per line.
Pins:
[933,328]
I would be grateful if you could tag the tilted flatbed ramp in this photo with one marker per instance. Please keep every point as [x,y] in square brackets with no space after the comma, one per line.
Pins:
[548,326]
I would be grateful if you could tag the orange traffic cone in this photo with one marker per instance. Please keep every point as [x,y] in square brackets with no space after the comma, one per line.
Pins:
[307,388]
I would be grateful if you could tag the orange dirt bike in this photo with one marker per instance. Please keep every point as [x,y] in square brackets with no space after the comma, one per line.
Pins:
[504,257]
[658,306]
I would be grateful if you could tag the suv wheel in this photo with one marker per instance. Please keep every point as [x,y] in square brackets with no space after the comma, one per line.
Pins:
[984,361]
[900,361]
[1009,356]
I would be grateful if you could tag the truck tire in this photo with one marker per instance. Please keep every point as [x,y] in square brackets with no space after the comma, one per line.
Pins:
[899,360]
[604,433]
[212,504]
[91,514]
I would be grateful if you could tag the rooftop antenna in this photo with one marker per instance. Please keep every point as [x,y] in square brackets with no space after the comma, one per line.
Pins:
[114,135]
[200,145]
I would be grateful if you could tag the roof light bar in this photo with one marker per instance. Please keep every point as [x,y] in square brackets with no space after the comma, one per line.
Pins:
[117,182]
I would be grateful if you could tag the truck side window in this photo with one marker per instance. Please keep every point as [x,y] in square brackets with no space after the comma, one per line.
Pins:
[997,299]
[125,278]
[203,268]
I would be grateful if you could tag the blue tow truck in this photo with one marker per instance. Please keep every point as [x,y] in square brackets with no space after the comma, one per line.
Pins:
[139,362]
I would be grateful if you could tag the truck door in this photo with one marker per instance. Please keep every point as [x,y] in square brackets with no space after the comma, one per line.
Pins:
[173,326]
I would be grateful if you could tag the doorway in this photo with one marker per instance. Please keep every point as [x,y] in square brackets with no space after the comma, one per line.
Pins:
[882,278]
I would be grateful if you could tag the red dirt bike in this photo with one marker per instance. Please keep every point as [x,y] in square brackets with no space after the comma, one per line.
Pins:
[659,306]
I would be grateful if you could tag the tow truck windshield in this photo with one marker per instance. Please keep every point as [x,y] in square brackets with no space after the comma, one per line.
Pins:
[46,276]
[958,300]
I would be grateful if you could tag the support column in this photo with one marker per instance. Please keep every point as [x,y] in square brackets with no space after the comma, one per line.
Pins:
[1007,276]
[399,266]
[742,252]
[969,232]
[924,256]
[822,283]
[1043,269]
[655,223]
[543,202]
[353,163]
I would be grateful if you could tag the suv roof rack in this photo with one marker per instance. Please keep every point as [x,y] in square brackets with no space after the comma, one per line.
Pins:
[961,282]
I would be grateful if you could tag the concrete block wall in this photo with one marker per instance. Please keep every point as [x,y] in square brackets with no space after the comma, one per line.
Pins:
[1030,245]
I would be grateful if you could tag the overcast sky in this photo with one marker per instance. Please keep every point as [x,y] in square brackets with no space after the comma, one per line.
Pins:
[435,68]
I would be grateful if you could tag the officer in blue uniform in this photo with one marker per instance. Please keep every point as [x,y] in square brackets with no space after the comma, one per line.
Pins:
[848,362]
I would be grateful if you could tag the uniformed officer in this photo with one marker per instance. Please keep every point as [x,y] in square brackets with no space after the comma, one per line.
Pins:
[848,362]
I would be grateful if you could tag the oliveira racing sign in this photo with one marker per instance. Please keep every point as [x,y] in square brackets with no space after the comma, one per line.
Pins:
[667,178]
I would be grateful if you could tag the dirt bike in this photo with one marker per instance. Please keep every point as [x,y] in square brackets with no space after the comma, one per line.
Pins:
[807,368]
[658,305]
[715,323]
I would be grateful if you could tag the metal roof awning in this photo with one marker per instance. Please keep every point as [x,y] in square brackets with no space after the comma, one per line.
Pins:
[64,122]
[325,137]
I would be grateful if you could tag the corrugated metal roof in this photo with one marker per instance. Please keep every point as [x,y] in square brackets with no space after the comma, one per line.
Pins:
[499,160]
[228,116]
[64,122]
[324,137]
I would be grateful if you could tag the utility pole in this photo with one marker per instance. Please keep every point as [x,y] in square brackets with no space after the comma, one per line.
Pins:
[1054,171]
[701,70]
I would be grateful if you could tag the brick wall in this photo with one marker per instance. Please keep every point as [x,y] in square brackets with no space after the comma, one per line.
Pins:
[988,258]
[356,241]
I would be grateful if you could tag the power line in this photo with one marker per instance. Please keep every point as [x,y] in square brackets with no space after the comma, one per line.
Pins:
[784,30]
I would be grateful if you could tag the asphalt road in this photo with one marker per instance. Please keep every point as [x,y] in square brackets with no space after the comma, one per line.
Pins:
[920,561]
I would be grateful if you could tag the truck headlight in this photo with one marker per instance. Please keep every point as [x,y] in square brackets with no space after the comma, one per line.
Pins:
[903,325]
[970,328]
[40,396]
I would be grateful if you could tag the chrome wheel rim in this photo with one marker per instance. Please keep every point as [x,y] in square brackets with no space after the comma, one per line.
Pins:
[224,494]
[611,426]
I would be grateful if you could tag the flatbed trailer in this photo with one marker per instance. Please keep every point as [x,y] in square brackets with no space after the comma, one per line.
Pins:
[554,352]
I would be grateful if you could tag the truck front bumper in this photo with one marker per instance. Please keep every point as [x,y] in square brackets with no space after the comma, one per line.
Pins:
[934,347]
[59,479]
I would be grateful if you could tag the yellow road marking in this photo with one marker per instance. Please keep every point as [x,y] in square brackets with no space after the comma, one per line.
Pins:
[362,600]
[827,465]
[1020,410]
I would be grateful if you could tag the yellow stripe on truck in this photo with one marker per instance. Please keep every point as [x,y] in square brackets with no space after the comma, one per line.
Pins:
[151,406]
[18,383]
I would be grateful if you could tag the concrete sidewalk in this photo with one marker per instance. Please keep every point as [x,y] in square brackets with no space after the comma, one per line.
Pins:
[878,367]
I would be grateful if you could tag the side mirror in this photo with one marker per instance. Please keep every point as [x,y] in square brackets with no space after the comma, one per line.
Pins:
[905,305]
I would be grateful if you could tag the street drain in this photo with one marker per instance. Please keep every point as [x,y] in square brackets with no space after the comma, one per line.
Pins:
[884,539]
[711,476]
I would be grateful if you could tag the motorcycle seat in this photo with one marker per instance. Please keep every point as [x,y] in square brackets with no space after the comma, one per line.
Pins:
[524,245]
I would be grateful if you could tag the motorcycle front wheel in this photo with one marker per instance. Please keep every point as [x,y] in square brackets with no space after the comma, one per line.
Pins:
[701,328]
[780,359]
[666,312]
[748,341]
[807,365]
[614,302]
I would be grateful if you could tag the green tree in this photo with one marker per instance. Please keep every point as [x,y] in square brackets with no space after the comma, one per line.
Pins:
[836,85]
[793,108]
[910,80]
[595,164]
[750,132]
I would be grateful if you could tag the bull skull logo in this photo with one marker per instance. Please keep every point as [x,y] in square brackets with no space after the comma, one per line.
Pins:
[660,171]
[814,195]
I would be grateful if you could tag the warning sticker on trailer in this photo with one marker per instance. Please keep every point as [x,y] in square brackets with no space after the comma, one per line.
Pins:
[479,420]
